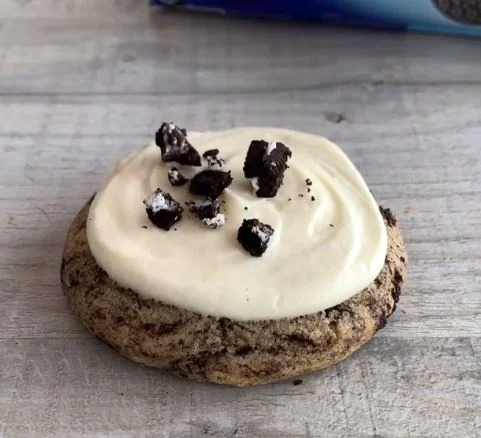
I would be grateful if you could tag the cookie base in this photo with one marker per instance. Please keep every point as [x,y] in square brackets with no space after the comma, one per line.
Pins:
[220,350]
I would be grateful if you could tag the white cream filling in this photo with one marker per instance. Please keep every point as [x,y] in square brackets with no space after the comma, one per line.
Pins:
[322,252]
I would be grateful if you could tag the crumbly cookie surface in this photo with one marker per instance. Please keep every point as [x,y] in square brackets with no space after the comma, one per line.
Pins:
[220,350]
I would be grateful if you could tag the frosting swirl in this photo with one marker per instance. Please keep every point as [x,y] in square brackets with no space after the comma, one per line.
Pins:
[328,245]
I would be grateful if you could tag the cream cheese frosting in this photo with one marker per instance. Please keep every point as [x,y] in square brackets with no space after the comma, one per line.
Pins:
[328,244]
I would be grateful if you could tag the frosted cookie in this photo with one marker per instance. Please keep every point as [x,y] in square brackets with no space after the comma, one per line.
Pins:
[199,302]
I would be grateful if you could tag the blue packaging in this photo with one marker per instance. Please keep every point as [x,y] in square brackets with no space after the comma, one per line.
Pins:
[447,16]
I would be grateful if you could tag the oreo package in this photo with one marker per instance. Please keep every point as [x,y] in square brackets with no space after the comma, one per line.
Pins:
[447,16]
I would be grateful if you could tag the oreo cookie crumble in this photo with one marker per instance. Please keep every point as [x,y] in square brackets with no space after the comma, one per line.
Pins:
[208,212]
[215,222]
[174,145]
[213,159]
[210,183]
[163,210]
[265,165]
[254,236]
[204,209]
[176,178]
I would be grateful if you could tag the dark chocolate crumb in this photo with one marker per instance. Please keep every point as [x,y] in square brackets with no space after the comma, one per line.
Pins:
[144,227]
[398,280]
[210,183]
[245,208]
[175,229]
[313,198]
[308,190]
[290,199]
[331,225]
[213,161]
[297,382]
[176,178]
[122,394]
[208,212]
[301,195]
[204,209]
[174,145]
[308,182]
[211,153]
[266,162]
[388,216]
[163,210]
[254,236]
[334,117]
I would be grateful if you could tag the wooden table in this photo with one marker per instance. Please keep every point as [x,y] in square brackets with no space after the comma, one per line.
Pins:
[82,82]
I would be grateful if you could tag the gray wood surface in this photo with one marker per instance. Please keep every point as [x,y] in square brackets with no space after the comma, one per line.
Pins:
[83,82]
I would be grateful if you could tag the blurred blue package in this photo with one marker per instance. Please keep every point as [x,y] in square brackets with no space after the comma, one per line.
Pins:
[447,16]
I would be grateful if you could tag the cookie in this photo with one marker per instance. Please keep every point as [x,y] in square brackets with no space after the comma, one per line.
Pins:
[461,11]
[221,350]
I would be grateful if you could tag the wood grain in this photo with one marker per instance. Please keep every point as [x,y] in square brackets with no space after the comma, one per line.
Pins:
[84,82]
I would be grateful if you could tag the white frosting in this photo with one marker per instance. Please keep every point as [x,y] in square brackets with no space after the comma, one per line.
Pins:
[322,252]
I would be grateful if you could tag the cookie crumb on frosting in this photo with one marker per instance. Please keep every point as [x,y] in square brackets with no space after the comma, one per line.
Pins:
[204,208]
[210,183]
[176,178]
[208,212]
[215,222]
[254,236]
[174,145]
[213,160]
[163,210]
[265,165]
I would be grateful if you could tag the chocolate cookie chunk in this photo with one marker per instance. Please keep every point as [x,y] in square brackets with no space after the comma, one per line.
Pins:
[210,183]
[174,145]
[208,212]
[204,209]
[176,178]
[163,210]
[213,159]
[254,236]
[215,222]
[266,163]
